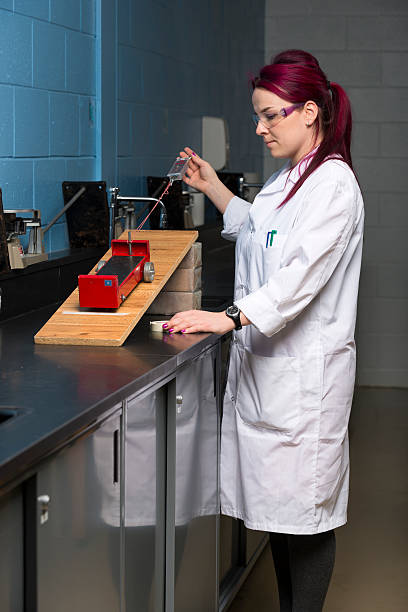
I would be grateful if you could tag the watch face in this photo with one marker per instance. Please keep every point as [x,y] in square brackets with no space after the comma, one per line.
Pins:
[232,310]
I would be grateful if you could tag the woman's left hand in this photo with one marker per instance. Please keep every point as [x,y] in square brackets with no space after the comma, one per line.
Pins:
[192,321]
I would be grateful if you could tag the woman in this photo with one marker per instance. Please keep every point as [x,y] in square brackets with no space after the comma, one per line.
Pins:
[284,457]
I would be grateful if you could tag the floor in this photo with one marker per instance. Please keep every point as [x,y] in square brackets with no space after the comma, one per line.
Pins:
[371,572]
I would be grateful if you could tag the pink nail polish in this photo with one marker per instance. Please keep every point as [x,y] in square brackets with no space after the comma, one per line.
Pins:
[171,330]
[193,153]
[164,325]
[183,331]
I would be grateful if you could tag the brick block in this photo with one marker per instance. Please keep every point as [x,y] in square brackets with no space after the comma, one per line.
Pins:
[170,302]
[81,169]
[393,280]
[395,69]
[368,280]
[369,104]
[365,139]
[64,124]
[6,121]
[184,279]
[385,245]
[48,177]
[350,68]
[39,8]
[87,130]
[371,209]
[393,351]
[16,37]
[394,139]
[194,257]
[393,210]
[80,63]
[7,4]
[323,33]
[65,13]
[49,56]
[88,16]
[381,174]
[16,182]
[383,315]
[374,34]
[31,135]
[130,88]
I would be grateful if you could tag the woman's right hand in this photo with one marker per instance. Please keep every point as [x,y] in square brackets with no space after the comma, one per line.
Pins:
[200,174]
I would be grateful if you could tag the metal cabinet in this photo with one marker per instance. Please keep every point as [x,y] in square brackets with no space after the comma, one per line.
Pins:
[194,439]
[77,523]
[144,461]
[11,547]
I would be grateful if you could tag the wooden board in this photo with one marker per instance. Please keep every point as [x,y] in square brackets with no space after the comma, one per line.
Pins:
[74,325]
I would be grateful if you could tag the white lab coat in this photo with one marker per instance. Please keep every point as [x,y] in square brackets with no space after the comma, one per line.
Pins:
[284,449]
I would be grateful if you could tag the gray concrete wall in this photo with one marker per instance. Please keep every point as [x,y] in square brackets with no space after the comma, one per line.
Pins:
[363,45]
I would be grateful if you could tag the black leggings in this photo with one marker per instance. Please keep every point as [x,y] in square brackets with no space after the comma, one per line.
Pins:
[303,566]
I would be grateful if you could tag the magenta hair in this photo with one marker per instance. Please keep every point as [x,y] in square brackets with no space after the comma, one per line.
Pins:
[296,76]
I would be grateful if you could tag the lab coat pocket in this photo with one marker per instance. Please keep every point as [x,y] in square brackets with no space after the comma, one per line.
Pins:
[272,254]
[268,392]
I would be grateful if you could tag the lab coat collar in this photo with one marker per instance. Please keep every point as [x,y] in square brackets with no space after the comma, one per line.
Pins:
[288,175]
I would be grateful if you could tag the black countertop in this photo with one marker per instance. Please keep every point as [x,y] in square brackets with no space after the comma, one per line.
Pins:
[55,391]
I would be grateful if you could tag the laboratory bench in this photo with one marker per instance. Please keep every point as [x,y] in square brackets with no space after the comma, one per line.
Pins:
[109,473]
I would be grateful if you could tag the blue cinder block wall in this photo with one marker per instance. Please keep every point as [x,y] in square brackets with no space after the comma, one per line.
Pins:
[110,90]
[47,104]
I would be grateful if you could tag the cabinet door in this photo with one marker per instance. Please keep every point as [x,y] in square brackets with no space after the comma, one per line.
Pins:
[11,547]
[78,524]
[196,486]
[144,516]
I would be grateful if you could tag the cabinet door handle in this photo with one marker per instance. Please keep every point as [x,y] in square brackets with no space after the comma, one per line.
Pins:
[116,456]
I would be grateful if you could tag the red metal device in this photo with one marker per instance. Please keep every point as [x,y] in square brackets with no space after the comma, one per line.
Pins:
[112,282]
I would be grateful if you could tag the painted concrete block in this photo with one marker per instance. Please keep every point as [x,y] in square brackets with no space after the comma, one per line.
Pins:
[64,124]
[124,129]
[31,136]
[6,121]
[367,349]
[16,182]
[395,69]
[368,104]
[383,315]
[155,80]
[393,210]
[323,33]
[368,280]
[48,56]
[393,351]
[130,74]
[371,33]
[88,16]
[7,4]
[365,139]
[385,245]
[39,8]
[129,175]
[80,63]
[81,169]
[394,139]
[371,209]
[139,129]
[123,17]
[378,174]
[66,13]
[393,280]
[16,38]
[48,177]
[56,239]
[87,125]
[351,68]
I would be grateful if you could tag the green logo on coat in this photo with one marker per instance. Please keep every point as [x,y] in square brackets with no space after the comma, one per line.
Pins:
[269,237]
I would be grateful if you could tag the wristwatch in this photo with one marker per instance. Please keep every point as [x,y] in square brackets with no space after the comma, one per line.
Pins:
[233,312]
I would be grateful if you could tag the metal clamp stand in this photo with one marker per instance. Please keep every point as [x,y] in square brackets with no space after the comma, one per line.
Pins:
[115,201]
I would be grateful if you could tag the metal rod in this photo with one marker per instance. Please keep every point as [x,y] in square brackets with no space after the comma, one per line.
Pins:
[63,210]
